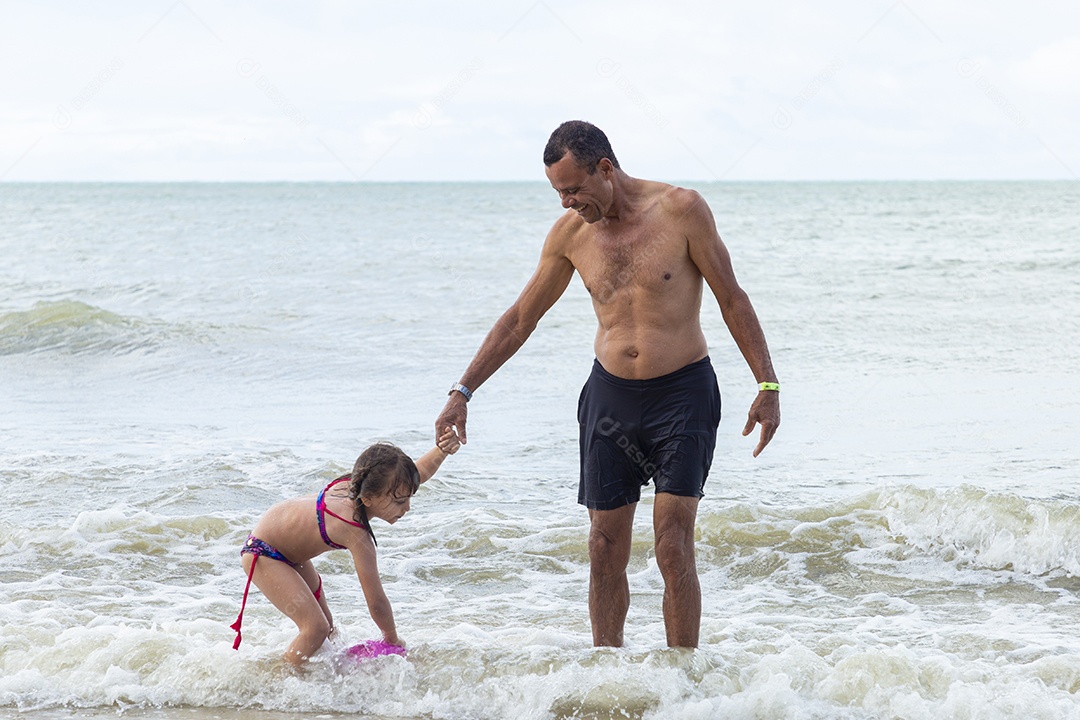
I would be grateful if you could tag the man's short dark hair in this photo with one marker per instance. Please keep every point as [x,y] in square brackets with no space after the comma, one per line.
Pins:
[587,142]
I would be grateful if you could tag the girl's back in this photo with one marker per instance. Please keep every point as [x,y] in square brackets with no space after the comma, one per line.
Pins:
[292,526]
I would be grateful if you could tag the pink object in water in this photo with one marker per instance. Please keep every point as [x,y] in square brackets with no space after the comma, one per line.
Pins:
[373,648]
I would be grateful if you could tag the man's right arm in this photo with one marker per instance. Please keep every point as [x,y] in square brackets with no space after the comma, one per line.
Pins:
[547,284]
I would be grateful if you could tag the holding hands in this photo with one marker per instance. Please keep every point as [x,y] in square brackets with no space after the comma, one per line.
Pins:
[452,419]
[448,442]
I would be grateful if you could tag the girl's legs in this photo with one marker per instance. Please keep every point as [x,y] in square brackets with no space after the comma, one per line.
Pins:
[311,577]
[291,592]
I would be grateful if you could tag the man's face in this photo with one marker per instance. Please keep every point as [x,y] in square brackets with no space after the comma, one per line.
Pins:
[588,195]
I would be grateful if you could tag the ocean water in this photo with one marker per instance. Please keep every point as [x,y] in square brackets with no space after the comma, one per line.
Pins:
[175,358]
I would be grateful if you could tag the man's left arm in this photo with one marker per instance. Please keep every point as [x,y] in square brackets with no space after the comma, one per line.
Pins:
[711,257]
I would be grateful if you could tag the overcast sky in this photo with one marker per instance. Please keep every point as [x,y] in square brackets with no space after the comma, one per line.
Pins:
[785,90]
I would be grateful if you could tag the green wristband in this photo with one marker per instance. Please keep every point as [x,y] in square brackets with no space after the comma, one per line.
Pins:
[773,387]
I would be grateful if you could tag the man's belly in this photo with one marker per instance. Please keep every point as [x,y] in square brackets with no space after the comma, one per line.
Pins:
[642,355]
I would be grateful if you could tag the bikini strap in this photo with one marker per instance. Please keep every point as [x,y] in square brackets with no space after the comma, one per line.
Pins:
[343,478]
[243,603]
[330,512]
[321,510]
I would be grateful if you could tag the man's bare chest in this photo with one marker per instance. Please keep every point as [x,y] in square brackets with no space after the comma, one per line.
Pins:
[637,258]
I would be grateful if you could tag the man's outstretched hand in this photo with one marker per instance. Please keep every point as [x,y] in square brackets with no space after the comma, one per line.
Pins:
[452,418]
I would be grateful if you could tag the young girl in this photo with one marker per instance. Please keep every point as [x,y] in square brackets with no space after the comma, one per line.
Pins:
[293,532]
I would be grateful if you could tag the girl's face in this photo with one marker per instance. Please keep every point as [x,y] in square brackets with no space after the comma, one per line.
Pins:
[387,506]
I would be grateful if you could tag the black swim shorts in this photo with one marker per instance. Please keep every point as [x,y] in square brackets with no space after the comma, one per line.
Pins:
[662,428]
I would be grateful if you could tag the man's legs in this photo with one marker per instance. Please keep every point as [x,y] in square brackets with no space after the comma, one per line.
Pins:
[609,554]
[673,524]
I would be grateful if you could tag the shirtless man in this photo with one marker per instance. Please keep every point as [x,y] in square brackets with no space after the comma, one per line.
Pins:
[651,406]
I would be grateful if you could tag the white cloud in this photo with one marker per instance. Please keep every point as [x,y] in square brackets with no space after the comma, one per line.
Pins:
[470,90]
[1053,69]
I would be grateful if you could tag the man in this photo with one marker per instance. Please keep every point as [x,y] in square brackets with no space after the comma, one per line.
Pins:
[651,407]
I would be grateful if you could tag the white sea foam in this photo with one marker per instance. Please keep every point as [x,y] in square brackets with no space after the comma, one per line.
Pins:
[1000,531]
[790,631]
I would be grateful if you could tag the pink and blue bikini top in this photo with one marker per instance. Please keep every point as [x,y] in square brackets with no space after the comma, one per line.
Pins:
[320,509]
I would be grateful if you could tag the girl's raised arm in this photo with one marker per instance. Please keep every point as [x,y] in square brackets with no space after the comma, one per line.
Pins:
[428,463]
